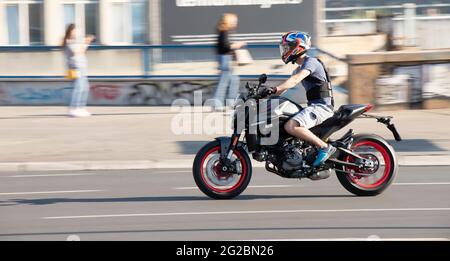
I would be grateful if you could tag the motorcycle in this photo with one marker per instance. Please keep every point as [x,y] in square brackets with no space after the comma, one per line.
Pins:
[365,164]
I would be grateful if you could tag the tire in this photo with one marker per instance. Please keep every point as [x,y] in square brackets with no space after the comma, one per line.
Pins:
[389,172]
[201,179]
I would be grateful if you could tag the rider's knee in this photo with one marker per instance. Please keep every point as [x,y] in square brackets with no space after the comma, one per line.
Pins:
[290,126]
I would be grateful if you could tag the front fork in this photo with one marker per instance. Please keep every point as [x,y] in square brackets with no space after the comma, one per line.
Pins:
[227,146]
[232,147]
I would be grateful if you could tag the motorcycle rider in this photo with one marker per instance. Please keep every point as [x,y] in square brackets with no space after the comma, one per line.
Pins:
[312,75]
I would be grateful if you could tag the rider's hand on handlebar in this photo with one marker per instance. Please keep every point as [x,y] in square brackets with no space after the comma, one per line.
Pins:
[268,91]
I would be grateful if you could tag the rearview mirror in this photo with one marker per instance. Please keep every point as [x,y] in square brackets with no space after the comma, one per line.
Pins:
[263,78]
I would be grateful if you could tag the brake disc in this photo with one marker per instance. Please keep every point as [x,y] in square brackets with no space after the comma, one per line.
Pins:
[372,164]
[218,179]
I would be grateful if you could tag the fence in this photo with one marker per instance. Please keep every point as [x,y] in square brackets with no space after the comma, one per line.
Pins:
[130,61]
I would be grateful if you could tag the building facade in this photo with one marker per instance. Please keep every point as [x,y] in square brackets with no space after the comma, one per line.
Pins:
[126,22]
[42,22]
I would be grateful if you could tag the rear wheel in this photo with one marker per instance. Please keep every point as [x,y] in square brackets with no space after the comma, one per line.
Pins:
[378,172]
[214,182]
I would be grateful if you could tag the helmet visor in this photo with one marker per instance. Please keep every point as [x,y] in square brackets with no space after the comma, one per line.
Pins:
[284,49]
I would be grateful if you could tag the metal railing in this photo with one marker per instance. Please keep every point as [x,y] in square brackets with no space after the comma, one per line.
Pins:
[161,54]
[348,12]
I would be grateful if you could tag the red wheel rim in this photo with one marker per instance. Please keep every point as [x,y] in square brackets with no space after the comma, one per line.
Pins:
[387,165]
[225,190]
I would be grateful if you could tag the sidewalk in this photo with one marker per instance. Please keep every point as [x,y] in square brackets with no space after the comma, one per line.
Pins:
[44,138]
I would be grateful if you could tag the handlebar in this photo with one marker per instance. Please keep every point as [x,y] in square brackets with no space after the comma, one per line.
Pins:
[256,92]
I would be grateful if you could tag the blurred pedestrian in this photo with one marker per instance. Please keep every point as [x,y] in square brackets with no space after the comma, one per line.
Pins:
[75,52]
[225,51]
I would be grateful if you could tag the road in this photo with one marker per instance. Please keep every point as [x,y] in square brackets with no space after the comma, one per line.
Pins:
[163,204]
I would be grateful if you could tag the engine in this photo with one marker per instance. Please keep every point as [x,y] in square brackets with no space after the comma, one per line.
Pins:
[293,155]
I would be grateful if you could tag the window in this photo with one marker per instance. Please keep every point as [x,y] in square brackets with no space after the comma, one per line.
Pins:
[84,14]
[69,14]
[24,22]
[12,16]
[129,21]
[91,18]
[118,23]
[138,24]
[35,23]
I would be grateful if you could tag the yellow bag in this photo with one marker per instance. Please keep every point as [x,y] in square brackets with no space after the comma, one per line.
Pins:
[72,74]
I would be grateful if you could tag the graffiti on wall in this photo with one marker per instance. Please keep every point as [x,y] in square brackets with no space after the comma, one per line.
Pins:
[392,89]
[106,93]
[436,81]
[41,94]
[413,84]
[415,79]
[3,96]
[16,93]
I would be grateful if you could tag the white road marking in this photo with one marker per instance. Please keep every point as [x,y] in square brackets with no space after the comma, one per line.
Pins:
[255,186]
[49,192]
[173,171]
[250,212]
[354,239]
[274,186]
[424,183]
[290,186]
[50,175]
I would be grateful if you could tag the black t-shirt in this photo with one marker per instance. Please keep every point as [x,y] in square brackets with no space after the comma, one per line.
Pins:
[223,43]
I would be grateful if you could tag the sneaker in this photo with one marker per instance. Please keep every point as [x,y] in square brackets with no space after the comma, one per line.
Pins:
[78,113]
[323,155]
[74,112]
[85,113]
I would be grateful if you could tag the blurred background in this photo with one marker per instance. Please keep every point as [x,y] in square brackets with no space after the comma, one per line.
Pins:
[392,53]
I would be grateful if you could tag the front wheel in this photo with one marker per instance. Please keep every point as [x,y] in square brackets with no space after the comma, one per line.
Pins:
[214,182]
[379,172]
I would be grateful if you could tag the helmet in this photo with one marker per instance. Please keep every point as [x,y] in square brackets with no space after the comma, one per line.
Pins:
[294,45]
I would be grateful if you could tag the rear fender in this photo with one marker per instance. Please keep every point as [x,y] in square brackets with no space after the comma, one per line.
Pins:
[386,120]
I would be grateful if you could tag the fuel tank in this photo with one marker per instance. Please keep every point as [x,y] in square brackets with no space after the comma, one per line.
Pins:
[274,112]
[277,107]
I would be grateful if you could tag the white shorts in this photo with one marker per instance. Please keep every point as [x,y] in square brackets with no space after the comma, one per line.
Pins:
[313,115]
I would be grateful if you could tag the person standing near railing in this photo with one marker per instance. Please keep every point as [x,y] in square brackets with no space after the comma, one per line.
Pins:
[225,50]
[75,52]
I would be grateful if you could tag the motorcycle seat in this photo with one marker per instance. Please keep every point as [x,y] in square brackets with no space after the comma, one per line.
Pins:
[344,111]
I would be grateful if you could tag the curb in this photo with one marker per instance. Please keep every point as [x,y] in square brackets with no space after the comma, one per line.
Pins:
[410,160]
[424,160]
[95,165]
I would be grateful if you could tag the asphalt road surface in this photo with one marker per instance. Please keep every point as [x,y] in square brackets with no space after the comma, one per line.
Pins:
[164,204]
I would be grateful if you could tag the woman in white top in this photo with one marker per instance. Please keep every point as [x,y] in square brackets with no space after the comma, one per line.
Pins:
[75,52]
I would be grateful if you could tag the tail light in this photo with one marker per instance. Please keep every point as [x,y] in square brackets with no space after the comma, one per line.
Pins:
[368,108]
